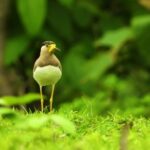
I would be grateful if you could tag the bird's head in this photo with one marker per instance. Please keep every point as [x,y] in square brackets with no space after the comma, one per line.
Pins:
[50,46]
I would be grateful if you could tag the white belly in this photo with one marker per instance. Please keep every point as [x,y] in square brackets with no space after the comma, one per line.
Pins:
[47,75]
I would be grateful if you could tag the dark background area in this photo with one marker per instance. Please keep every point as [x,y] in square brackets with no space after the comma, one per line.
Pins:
[105,51]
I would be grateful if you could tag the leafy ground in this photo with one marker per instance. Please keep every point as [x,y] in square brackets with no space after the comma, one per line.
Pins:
[72,130]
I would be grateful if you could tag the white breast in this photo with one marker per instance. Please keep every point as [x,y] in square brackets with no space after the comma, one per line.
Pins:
[47,75]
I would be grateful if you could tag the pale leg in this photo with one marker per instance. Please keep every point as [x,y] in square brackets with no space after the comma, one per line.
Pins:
[42,100]
[51,98]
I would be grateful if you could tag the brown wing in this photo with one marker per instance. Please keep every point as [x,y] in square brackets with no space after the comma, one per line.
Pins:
[49,60]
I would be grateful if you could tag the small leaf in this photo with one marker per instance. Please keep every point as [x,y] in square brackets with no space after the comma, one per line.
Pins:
[67,3]
[15,47]
[98,66]
[115,38]
[141,28]
[32,14]
[8,113]
[146,99]
[12,100]
[64,123]
[63,27]
[73,60]
[32,122]
[140,21]
[111,81]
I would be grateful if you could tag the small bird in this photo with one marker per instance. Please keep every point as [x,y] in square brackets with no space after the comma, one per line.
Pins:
[47,70]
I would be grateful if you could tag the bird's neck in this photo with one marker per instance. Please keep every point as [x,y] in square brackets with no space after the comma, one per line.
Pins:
[46,55]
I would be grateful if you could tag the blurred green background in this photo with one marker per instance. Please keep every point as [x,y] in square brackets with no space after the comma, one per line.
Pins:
[105,51]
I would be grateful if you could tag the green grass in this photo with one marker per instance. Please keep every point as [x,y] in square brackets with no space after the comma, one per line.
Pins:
[73,130]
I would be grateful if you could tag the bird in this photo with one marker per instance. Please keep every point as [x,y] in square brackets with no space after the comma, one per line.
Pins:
[47,70]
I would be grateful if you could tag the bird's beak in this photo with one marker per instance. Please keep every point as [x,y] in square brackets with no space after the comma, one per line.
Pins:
[57,49]
[51,47]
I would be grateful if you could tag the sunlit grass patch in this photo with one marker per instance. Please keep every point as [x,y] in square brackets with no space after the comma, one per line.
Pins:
[73,130]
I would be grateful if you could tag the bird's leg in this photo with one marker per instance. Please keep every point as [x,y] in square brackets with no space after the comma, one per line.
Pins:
[42,100]
[51,98]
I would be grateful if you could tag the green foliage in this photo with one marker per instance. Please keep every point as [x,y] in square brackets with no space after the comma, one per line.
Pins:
[16,45]
[104,60]
[37,121]
[8,113]
[66,125]
[141,26]
[18,100]
[115,38]
[32,14]
[83,13]
[32,122]
[104,90]
[140,21]
[36,131]
[102,103]
[105,51]
[67,3]
[63,26]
